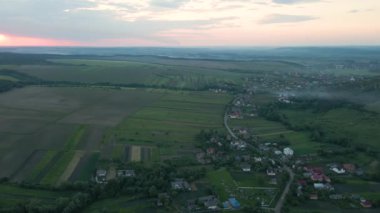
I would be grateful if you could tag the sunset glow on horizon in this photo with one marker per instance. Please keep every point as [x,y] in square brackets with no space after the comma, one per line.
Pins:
[189,22]
[9,41]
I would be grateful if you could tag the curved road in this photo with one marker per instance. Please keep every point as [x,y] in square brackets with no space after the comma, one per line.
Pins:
[228,128]
[281,201]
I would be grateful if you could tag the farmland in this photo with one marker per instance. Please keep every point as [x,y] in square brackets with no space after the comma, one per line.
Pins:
[12,195]
[155,124]
[269,130]
[63,119]
[169,126]
[124,72]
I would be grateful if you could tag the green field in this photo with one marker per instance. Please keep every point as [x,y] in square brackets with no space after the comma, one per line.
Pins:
[129,72]
[361,127]
[171,123]
[124,204]
[66,126]
[247,188]
[222,182]
[41,165]
[268,130]
[12,195]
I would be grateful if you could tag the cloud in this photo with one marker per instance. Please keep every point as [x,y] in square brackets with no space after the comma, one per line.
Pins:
[168,3]
[292,1]
[360,11]
[282,18]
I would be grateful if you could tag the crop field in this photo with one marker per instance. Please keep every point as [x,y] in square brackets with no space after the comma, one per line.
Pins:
[70,129]
[151,71]
[128,72]
[168,127]
[12,195]
[124,204]
[44,128]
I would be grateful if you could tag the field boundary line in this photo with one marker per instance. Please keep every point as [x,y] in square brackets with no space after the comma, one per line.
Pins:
[71,167]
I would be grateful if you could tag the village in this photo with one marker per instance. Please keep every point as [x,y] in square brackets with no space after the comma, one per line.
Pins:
[263,175]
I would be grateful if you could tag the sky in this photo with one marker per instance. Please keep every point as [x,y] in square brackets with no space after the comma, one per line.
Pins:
[182,23]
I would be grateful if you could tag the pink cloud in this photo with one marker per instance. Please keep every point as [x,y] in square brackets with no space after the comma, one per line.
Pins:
[13,40]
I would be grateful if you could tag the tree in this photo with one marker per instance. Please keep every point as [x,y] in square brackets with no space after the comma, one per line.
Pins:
[153,191]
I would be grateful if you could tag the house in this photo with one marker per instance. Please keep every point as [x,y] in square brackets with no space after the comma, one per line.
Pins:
[257,159]
[245,167]
[210,151]
[302,182]
[271,172]
[242,131]
[240,145]
[359,172]
[162,198]
[180,184]
[313,197]
[192,205]
[336,197]
[227,205]
[277,152]
[349,167]
[246,158]
[317,174]
[273,181]
[365,203]
[338,171]
[316,177]
[126,173]
[288,152]
[319,186]
[299,191]
[322,186]
[209,202]
[234,203]
[100,176]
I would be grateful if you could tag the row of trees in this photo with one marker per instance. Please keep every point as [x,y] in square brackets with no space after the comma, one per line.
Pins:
[147,183]
[8,85]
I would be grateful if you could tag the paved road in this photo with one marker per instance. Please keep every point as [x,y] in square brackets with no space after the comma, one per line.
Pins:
[281,201]
[228,128]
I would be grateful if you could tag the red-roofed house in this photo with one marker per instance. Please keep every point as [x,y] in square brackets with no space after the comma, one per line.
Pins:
[349,167]
[366,203]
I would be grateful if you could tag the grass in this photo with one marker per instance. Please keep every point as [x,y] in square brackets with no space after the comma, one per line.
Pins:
[74,140]
[12,195]
[88,167]
[118,152]
[58,168]
[374,106]
[124,72]
[7,78]
[49,155]
[222,182]
[122,204]
[250,179]
[362,127]
[172,122]
[301,143]
[59,119]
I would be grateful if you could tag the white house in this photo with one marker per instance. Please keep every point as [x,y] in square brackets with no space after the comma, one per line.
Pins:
[288,151]
[245,167]
[338,171]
